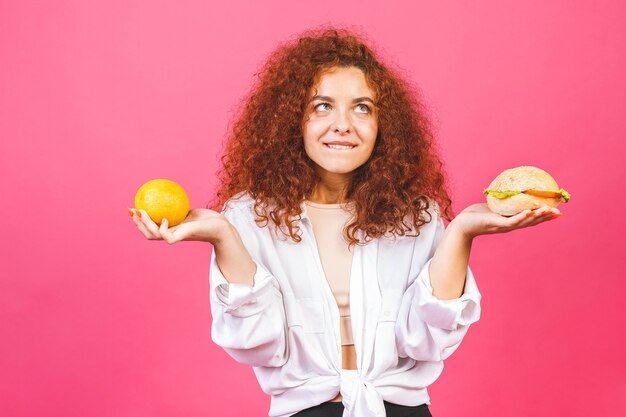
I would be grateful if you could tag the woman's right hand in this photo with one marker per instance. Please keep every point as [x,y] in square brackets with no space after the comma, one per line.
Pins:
[200,225]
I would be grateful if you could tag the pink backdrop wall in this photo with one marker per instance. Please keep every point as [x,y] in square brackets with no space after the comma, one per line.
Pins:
[97,97]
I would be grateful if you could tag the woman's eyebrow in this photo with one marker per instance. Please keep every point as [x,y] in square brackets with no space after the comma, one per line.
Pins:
[326,98]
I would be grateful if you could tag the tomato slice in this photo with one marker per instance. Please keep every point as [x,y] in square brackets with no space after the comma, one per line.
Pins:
[545,194]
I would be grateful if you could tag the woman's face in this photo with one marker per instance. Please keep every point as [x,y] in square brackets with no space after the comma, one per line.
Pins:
[342,124]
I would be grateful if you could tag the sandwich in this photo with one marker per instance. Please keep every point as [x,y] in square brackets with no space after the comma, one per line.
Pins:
[523,188]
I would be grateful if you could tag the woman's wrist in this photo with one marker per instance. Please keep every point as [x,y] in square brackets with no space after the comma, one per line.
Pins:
[458,228]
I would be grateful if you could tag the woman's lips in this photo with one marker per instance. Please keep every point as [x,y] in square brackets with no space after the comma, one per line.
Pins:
[340,145]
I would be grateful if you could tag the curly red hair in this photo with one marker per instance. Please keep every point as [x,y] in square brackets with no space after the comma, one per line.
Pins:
[265,156]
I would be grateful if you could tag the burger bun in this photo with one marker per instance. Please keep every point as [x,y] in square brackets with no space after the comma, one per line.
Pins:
[521,179]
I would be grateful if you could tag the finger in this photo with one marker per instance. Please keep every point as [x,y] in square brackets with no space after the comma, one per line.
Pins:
[149,224]
[164,225]
[539,213]
[544,210]
[141,226]
[545,217]
[517,221]
[555,213]
[520,217]
[528,218]
[172,235]
[164,231]
[550,213]
[176,236]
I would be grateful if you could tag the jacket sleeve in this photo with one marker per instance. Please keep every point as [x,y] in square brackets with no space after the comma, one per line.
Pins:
[248,322]
[430,329]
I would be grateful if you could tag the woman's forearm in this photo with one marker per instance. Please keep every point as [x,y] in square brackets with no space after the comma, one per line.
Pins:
[448,267]
[233,258]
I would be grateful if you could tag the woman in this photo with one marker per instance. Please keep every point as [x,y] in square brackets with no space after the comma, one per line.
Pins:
[332,274]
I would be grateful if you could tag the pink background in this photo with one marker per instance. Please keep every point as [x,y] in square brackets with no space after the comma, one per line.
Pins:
[97,97]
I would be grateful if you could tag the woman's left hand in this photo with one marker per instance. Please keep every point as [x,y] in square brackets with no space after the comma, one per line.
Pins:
[477,220]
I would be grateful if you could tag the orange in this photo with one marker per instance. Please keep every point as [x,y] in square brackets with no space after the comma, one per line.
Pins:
[163,198]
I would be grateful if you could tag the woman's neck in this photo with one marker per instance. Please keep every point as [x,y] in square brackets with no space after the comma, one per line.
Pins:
[330,190]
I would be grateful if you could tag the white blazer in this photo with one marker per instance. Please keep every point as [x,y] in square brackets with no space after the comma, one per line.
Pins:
[286,326]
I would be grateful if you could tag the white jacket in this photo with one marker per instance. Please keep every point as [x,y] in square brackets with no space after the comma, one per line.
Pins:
[286,326]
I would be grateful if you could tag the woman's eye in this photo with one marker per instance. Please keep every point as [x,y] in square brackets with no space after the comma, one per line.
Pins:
[321,104]
[364,107]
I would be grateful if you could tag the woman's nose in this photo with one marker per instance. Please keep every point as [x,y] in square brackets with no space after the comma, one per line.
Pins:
[342,123]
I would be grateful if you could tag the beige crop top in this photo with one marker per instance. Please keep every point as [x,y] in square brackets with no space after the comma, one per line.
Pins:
[328,221]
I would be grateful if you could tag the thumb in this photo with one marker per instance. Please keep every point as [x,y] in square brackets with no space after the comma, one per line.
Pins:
[176,233]
[164,224]
[166,234]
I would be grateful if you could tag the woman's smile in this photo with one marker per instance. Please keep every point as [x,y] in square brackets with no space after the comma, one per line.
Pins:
[338,146]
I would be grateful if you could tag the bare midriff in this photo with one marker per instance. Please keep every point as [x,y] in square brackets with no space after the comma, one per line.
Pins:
[349,362]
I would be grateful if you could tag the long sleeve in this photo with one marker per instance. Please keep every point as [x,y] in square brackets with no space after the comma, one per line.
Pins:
[430,329]
[248,322]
